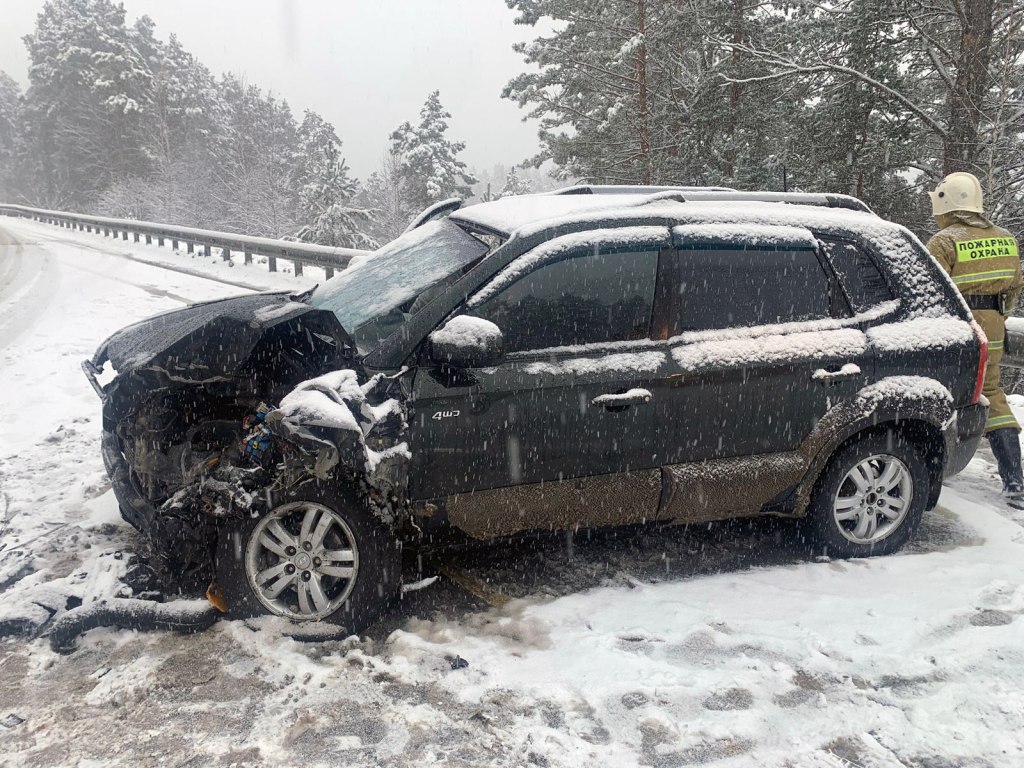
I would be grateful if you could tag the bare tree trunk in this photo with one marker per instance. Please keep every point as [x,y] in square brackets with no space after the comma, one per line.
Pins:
[643,110]
[735,89]
[960,148]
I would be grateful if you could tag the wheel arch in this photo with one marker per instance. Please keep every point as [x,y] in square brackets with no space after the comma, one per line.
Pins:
[922,427]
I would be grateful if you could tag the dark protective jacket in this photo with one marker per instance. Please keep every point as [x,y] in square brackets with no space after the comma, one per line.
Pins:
[983,260]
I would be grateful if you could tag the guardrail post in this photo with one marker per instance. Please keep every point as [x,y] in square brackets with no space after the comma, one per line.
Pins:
[135,236]
[191,247]
[125,233]
[174,244]
[149,240]
[225,253]
[206,250]
[248,256]
[160,241]
[298,268]
[272,263]
[328,273]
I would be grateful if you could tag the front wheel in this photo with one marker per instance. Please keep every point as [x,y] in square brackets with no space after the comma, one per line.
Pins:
[870,499]
[316,556]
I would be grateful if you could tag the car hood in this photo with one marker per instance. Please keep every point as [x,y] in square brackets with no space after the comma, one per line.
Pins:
[203,342]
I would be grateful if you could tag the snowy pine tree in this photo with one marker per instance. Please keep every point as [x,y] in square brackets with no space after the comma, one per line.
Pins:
[88,90]
[10,136]
[386,193]
[324,189]
[514,184]
[430,164]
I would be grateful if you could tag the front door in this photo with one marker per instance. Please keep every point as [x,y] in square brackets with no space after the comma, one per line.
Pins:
[566,414]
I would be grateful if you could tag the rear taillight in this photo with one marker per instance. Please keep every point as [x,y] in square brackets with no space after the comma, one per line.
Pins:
[982,362]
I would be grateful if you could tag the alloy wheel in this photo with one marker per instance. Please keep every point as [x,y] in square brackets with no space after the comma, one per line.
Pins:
[873,499]
[302,561]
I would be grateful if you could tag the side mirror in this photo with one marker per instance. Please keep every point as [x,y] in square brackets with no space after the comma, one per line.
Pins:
[467,342]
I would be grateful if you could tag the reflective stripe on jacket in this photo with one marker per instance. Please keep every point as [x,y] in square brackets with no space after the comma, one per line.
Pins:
[982,259]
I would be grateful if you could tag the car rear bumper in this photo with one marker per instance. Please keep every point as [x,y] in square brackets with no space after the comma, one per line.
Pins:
[963,436]
[135,508]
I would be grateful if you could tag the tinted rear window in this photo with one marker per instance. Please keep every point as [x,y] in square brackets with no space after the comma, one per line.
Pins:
[863,282]
[729,288]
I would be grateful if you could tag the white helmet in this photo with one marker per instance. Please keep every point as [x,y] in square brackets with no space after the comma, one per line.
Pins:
[957,192]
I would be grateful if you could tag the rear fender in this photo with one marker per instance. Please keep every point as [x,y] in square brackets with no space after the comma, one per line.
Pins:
[912,405]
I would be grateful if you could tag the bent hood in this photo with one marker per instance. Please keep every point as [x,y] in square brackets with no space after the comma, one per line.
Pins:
[203,342]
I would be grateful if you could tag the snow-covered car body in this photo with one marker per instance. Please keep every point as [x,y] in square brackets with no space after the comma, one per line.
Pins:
[565,360]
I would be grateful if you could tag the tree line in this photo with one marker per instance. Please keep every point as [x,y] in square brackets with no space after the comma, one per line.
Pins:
[118,122]
[874,98]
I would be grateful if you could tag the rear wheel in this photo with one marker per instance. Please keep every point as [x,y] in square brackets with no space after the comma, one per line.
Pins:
[870,499]
[317,555]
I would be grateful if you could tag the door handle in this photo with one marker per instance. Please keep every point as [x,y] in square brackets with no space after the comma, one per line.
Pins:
[848,371]
[620,401]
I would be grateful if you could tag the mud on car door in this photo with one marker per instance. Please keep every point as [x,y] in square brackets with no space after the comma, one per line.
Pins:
[763,349]
[558,432]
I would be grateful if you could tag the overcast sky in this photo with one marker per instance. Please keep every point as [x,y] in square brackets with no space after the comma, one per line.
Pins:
[365,65]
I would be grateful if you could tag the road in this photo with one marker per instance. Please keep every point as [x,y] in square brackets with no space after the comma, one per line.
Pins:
[722,644]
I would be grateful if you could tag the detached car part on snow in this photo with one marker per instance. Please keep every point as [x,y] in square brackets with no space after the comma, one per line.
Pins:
[545,362]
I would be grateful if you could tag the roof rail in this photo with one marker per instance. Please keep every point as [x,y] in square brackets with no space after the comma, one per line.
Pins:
[794,198]
[723,194]
[630,189]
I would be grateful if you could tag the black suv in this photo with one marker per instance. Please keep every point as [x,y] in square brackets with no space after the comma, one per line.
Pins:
[593,357]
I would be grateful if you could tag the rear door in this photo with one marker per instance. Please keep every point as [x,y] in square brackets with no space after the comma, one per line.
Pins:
[765,345]
[577,315]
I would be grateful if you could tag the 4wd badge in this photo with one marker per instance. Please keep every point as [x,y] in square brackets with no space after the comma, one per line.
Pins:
[445,415]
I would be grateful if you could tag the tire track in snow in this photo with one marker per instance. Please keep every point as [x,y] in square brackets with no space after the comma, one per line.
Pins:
[25,292]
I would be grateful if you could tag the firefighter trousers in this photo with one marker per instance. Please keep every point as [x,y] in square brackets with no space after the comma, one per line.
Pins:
[999,414]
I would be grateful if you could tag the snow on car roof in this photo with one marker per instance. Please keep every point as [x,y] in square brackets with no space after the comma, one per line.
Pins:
[530,213]
[508,214]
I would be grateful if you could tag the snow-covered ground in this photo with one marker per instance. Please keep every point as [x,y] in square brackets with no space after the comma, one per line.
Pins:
[721,646]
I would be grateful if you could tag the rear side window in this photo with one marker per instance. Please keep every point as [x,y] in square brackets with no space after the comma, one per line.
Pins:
[730,288]
[864,284]
[586,298]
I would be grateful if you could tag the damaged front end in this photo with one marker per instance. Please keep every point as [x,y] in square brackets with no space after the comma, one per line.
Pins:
[191,445]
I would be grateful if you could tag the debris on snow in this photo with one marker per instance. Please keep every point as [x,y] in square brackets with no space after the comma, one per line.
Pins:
[126,613]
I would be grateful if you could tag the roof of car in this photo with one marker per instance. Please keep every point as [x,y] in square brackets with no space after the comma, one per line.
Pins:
[508,215]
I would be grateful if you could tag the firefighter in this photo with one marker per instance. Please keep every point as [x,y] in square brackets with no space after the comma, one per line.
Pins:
[984,262]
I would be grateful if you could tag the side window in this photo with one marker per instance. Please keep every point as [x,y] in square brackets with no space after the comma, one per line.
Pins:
[583,298]
[863,283]
[731,287]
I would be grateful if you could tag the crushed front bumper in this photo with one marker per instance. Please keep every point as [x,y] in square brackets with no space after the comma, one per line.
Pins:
[135,508]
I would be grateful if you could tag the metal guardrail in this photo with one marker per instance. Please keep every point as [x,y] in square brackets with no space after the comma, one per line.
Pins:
[300,254]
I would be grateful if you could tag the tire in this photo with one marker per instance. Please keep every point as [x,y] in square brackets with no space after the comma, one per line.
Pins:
[348,576]
[841,511]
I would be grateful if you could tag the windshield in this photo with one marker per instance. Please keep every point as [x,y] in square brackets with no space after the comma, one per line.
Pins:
[383,291]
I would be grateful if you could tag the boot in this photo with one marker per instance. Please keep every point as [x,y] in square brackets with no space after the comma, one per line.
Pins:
[1006,448]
